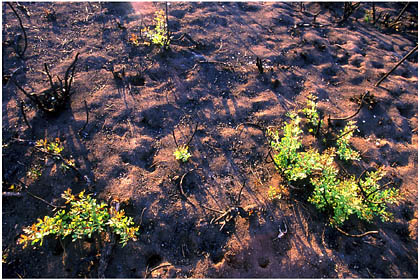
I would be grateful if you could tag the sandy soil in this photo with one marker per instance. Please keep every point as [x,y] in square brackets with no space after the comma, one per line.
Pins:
[126,149]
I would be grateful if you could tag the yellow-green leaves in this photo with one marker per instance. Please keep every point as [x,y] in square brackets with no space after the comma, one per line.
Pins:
[344,150]
[341,196]
[158,35]
[84,217]
[181,153]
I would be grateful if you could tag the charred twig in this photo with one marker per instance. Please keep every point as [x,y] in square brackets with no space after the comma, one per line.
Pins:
[22,110]
[185,196]
[189,141]
[87,119]
[148,272]
[43,200]
[396,65]
[37,197]
[67,81]
[315,16]
[182,190]
[378,17]
[349,9]
[11,76]
[238,199]
[55,98]
[192,136]
[357,235]
[401,13]
[173,135]
[21,54]
[167,26]
[352,115]
[373,12]
[226,217]
[260,65]
[31,96]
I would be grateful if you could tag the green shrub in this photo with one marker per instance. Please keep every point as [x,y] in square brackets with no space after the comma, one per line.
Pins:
[84,217]
[344,150]
[158,35]
[181,153]
[338,196]
[311,113]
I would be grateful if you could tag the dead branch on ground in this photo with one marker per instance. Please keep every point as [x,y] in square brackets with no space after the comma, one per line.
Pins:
[20,53]
[396,65]
[54,99]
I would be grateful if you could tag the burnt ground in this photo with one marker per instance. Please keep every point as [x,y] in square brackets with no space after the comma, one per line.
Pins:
[126,149]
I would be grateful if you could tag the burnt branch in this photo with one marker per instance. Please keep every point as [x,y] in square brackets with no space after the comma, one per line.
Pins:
[67,82]
[173,135]
[53,99]
[373,12]
[22,110]
[396,65]
[87,118]
[192,136]
[20,53]
[349,9]
[401,13]
[362,99]
[168,39]
[260,65]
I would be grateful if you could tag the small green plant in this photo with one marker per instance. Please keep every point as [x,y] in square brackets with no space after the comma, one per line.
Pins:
[84,217]
[5,255]
[367,16]
[46,146]
[338,196]
[344,150]
[311,113]
[181,153]
[160,34]
[35,172]
[275,193]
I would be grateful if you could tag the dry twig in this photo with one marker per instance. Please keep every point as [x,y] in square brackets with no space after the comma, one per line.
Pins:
[357,235]
[21,54]
[396,65]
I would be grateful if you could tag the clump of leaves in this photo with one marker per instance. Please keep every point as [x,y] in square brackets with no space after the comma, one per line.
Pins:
[344,150]
[181,153]
[134,39]
[54,147]
[311,113]
[34,172]
[84,217]
[160,34]
[339,196]
[368,16]
[275,193]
